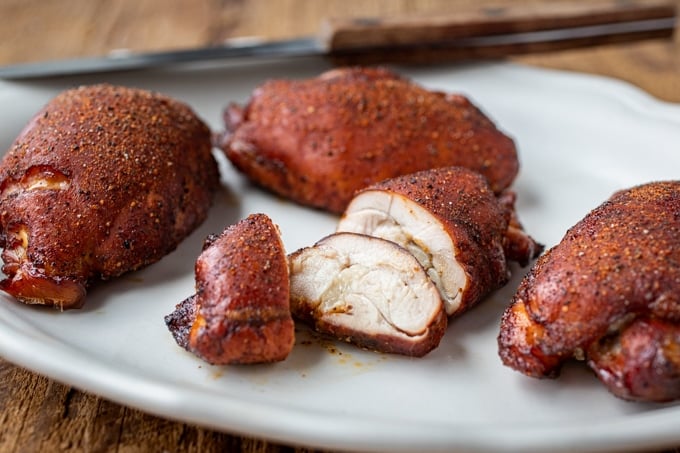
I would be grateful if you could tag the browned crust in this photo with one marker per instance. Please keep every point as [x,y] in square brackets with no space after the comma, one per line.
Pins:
[621,261]
[133,175]
[389,344]
[242,302]
[318,141]
[179,322]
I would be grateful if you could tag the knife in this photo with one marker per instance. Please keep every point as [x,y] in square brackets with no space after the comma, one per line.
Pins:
[483,33]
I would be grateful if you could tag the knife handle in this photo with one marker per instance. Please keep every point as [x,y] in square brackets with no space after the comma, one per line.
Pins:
[492,32]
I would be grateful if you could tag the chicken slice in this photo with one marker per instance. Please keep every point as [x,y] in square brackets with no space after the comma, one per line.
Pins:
[451,221]
[367,291]
[240,313]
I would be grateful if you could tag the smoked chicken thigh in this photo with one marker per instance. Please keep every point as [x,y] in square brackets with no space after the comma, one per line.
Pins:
[240,313]
[367,291]
[318,141]
[408,253]
[451,221]
[608,293]
[103,180]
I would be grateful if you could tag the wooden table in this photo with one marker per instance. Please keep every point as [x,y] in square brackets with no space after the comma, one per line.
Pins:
[39,414]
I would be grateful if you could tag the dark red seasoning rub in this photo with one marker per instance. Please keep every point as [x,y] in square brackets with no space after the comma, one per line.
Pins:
[613,280]
[240,313]
[103,180]
[320,140]
[479,224]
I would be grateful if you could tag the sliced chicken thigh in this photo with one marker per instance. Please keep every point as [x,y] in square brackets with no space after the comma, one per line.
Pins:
[368,291]
[452,222]
[394,217]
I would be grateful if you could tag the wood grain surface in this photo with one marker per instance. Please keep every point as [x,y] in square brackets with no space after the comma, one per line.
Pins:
[40,415]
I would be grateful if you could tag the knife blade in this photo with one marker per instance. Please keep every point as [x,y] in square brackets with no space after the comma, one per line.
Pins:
[484,33]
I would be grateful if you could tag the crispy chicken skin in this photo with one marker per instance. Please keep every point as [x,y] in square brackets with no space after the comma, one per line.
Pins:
[104,180]
[450,219]
[609,292]
[240,313]
[641,361]
[318,141]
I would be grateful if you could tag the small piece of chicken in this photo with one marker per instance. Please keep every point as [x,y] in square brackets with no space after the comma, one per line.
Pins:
[240,313]
[367,291]
[451,221]
[609,292]
[104,180]
[641,361]
[320,140]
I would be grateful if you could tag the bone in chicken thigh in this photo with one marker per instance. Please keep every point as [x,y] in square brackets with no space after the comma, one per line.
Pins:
[608,293]
[318,141]
[104,180]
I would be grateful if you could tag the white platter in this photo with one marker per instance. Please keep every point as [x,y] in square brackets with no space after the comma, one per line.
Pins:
[580,138]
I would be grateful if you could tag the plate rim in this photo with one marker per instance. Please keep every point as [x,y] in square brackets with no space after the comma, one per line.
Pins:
[584,436]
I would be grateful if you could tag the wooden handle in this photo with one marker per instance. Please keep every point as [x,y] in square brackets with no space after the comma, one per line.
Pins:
[498,31]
